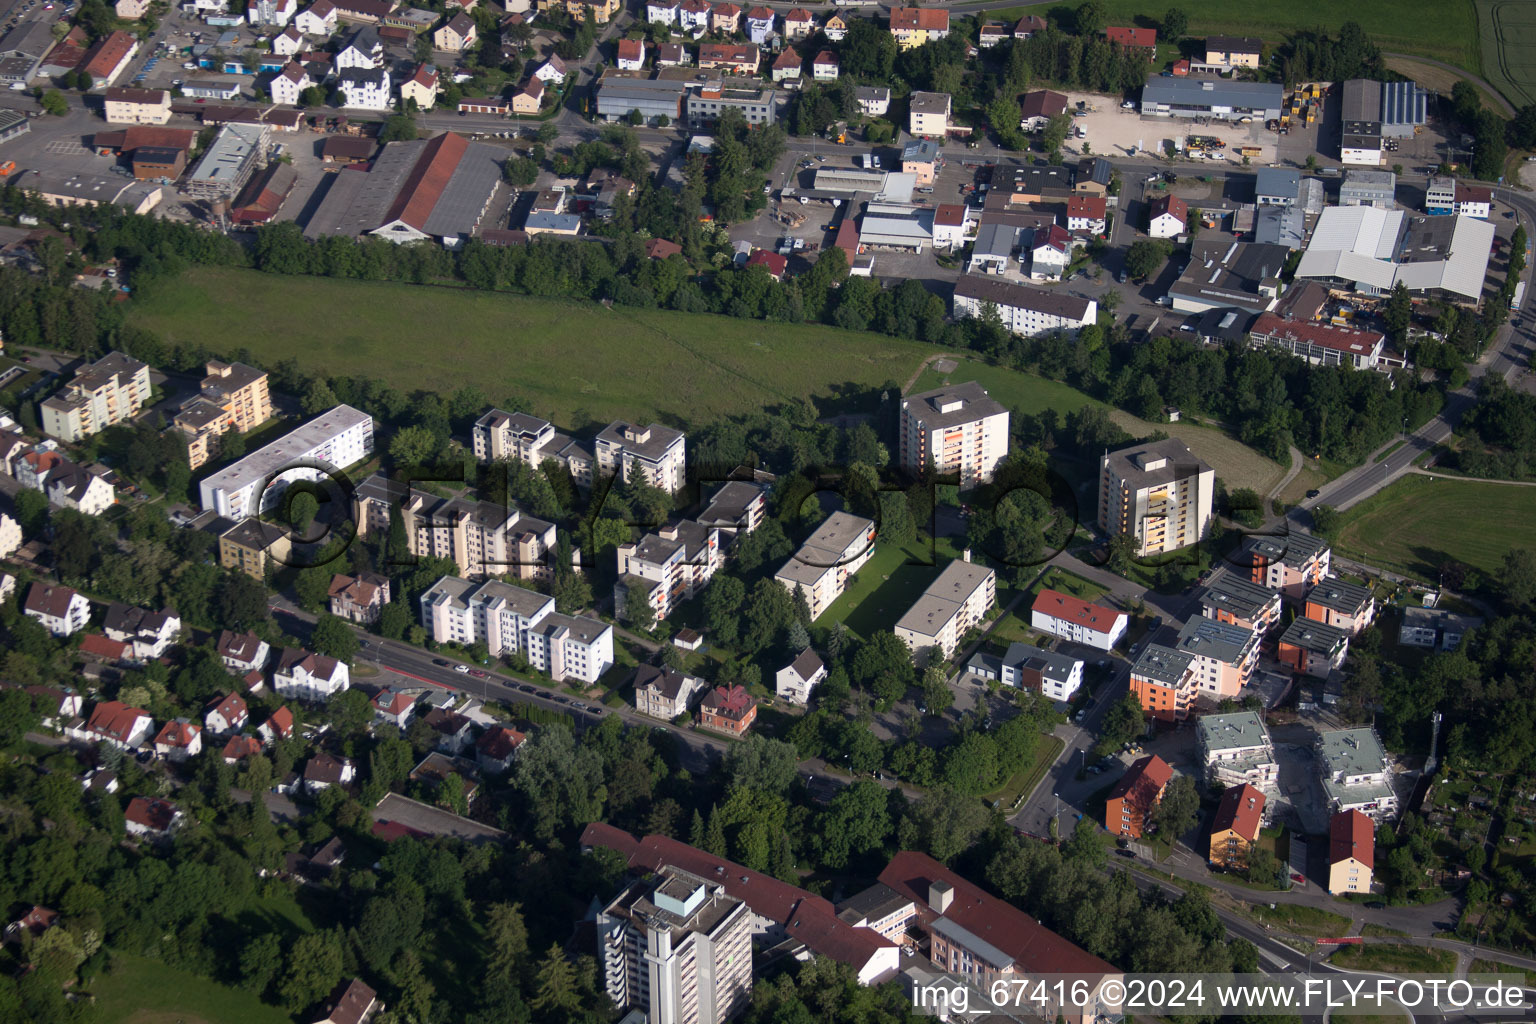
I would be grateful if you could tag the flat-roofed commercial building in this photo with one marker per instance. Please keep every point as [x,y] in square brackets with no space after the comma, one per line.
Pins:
[655,98]
[706,103]
[1159,493]
[952,605]
[1205,97]
[336,439]
[958,429]
[837,549]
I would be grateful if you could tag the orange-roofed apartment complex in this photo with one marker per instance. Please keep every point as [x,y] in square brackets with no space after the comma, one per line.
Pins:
[1235,828]
[1139,790]
[914,26]
[1074,619]
[1351,852]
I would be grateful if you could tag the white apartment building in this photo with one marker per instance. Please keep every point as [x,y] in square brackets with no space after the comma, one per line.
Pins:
[136,106]
[951,606]
[70,486]
[366,89]
[678,949]
[1236,750]
[506,436]
[513,620]
[958,429]
[1355,773]
[1077,620]
[671,565]
[61,610]
[836,550]
[10,536]
[333,440]
[1222,655]
[1027,667]
[1160,493]
[796,681]
[108,391]
[306,676]
[570,647]
[654,454]
[289,84]
[1024,309]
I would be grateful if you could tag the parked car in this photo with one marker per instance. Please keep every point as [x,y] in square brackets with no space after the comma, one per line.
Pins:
[463,670]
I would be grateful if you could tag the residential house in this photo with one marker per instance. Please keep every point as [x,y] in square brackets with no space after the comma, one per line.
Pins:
[319,19]
[824,67]
[456,35]
[62,611]
[115,723]
[238,748]
[1235,828]
[454,731]
[673,55]
[666,693]
[671,565]
[928,112]
[529,97]
[151,817]
[136,106]
[359,598]
[1128,810]
[552,70]
[324,770]
[796,681]
[1229,52]
[760,21]
[1038,107]
[1087,214]
[994,33]
[787,65]
[1341,605]
[662,12]
[307,676]
[1160,493]
[179,740]
[33,923]
[422,88]
[1049,253]
[631,54]
[1222,656]
[1311,648]
[728,709]
[496,749]
[1167,216]
[693,17]
[225,715]
[798,24]
[1474,201]
[734,58]
[835,28]
[725,19]
[365,89]
[75,487]
[836,550]
[106,60]
[1027,27]
[570,647]
[952,226]
[954,604]
[773,262]
[1235,750]
[1077,620]
[392,707]
[242,652]
[56,705]
[1163,680]
[1144,39]
[1434,628]
[289,84]
[278,726]
[914,26]
[352,1003]
[1351,853]
[1024,666]
[150,633]
[364,50]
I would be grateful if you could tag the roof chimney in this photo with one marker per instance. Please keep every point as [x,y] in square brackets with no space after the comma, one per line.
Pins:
[940,895]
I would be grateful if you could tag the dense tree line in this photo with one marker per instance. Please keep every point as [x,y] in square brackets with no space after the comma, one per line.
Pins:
[1499,433]
[1315,56]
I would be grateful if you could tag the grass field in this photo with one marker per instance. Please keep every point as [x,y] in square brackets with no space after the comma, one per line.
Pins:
[1446,31]
[144,991]
[1302,920]
[1419,523]
[888,584]
[1016,390]
[1441,80]
[1506,30]
[1025,779]
[579,365]
[1397,958]
[1494,967]
[1236,463]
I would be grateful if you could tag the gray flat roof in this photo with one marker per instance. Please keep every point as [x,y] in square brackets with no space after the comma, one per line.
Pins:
[1240,730]
[1339,596]
[1295,549]
[524,602]
[1226,591]
[293,445]
[944,597]
[1049,663]
[1210,638]
[1162,665]
[1311,635]
[958,403]
[1277,181]
[1190,92]
[1156,462]
[1351,751]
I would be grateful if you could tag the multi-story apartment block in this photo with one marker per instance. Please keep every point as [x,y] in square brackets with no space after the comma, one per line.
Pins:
[1235,828]
[1341,605]
[62,610]
[512,620]
[335,439]
[671,565]
[570,647]
[252,545]
[1139,790]
[1289,563]
[1024,309]
[1351,852]
[952,605]
[1228,597]
[836,550]
[796,681]
[1077,620]
[1309,647]
[507,436]
[108,391]
[482,538]
[665,693]
[958,429]
[1222,655]
[233,396]
[737,507]
[307,676]
[1355,772]
[1163,679]
[1160,493]
[1027,667]
[653,454]
[1236,750]
[677,948]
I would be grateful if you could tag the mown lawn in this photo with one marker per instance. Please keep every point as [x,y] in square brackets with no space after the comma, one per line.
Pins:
[888,584]
[1420,523]
[144,991]
[577,364]
[1015,390]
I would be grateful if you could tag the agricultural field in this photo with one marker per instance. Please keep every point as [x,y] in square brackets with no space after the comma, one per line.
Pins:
[579,365]
[1507,31]
[1420,522]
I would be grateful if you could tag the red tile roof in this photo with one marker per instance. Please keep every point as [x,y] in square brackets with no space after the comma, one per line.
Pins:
[631,49]
[798,15]
[1142,783]
[424,186]
[1473,194]
[178,734]
[661,248]
[281,721]
[1339,339]
[1170,205]
[230,708]
[847,239]
[1033,946]
[240,747]
[826,59]
[1064,606]
[150,813]
[761,14]
[788,59]
[729,53]
[1092,207]
[929,19]
[103,58]
[392,702]
[1141,38]
[730,701]
[1241,810]
[1030,23]
[1352,834]
[499,742]
[772,260]
[949,215]
[100,646]
[115,719]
